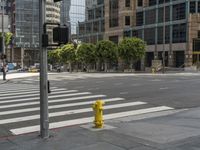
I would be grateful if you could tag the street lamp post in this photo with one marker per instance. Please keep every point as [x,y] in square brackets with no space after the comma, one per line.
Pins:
[163,53]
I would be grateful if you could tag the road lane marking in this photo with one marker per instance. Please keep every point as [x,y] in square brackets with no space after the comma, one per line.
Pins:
[54,101]
[57,106]
[69,112]
[123,93]
[79,121]
[164,88]
[30,92]
[30,95]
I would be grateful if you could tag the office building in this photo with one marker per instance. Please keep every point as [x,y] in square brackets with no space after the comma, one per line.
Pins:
[72,12]
[93,28]
[24,24]
[144,19]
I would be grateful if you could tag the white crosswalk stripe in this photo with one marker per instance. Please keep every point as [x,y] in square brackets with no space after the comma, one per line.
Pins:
[19,107]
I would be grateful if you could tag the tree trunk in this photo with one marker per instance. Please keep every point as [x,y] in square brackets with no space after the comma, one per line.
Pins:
[70,67]
[106,66]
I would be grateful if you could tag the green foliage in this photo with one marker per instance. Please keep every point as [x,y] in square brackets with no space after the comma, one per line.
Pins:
[106,50]
[86,53]
[8,37]
[131,49]
[68,53]
[54,56]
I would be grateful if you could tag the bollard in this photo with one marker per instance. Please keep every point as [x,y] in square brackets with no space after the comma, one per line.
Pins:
[98,110]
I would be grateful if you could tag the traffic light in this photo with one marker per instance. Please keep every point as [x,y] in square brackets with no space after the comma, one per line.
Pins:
[61,34]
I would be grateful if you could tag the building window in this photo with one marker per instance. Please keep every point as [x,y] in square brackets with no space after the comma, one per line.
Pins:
[127,33]
[160,35]
[99,2]
[113,13]
[137,33]
[90,14]
[192,7]
[140,3]
[127,20]
[149,36]
[152,2]
[179,33]
[179,11]
[198,7]
[162,1]
[127,3]
[150,16]
[139,18]
[161,15]
[114,39]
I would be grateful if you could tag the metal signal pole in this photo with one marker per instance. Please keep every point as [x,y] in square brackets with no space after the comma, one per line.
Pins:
[44,113]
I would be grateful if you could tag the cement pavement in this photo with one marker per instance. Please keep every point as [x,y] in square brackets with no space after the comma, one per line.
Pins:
[175,131]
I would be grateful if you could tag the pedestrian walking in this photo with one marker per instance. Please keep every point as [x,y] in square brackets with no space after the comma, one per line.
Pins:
[4,69]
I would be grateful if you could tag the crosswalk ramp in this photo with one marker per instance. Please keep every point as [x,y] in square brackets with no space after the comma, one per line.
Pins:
[20,112]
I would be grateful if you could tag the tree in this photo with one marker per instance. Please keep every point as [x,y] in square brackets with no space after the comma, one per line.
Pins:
[54,56]
[131,50]
[86,54]
[7,39]
[68,54]
[106,52]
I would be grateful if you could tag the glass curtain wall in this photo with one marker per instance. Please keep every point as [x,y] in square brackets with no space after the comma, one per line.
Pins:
[27,22]
[72,12]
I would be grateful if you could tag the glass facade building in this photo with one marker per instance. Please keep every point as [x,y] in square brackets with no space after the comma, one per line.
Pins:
[72,12]
[27,23]
[92,29]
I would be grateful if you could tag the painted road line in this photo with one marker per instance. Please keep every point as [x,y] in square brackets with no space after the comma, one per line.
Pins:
[57,106]
[52,101]
[29,92]
[79,121]
[30,95]
[164,88]
[22,90]
[69,112]
[7,89]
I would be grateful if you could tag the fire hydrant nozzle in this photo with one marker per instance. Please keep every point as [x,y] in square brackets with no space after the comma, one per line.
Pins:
[98,110]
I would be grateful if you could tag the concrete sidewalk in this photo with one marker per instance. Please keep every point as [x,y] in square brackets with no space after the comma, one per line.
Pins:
[177,131]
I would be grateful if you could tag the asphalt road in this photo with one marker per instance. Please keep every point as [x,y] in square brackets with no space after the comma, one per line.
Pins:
[180,91]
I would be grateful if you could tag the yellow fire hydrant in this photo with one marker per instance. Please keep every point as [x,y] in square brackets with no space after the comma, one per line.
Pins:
[98,110]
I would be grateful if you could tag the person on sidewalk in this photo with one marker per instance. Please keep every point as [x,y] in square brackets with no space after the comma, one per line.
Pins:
[4,69]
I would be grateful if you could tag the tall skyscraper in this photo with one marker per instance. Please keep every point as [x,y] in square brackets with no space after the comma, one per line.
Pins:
[72,12]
